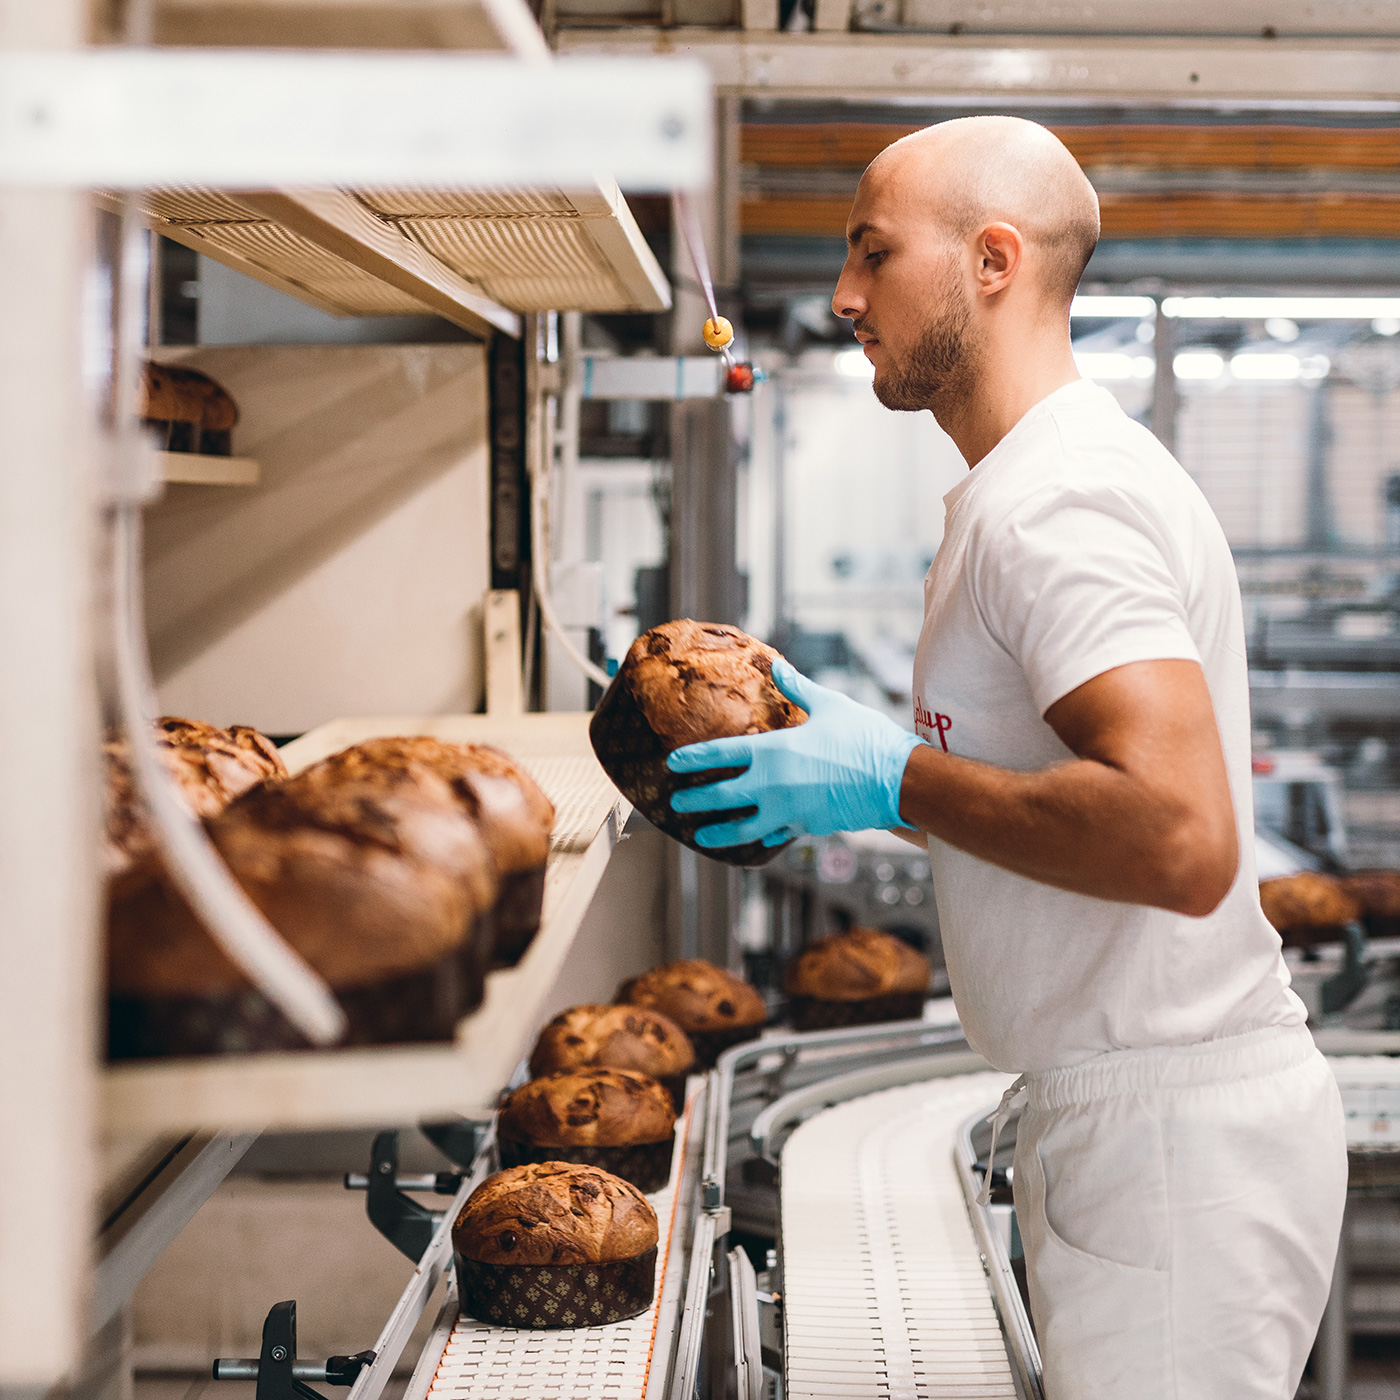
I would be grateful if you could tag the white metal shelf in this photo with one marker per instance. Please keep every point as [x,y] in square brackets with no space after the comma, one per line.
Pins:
[202,469]
[476,257]
[400,1084]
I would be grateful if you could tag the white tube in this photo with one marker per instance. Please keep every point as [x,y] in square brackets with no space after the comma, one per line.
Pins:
[235,923]
[539,558]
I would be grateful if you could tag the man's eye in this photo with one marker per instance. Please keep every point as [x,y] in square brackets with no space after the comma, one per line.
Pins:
[876,257]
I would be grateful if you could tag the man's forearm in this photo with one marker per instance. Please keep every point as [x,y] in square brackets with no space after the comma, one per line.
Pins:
[1083,826]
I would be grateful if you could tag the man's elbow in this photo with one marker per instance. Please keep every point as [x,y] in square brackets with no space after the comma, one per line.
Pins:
[1199,870]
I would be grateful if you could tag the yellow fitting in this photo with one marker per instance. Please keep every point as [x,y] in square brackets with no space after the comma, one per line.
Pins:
[718,333]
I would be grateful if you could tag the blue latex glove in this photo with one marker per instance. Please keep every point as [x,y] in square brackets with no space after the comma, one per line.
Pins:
[841,771]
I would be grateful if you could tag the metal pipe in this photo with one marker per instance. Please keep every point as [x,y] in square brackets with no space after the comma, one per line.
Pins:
[1165,400]
[1334,1335]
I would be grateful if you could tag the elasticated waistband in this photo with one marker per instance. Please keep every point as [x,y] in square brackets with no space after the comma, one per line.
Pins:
[1120,1072]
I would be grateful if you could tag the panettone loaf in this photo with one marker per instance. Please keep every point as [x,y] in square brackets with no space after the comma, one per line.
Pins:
[380,882]
[620,1037]
[616,1119]
[554,1213]
[856,978]
[547,1244]
[713,1007]
[211,767]
[1378,894]
[512,812]
[856,964]
[190,411]
[590,1107]
[1307,906]
[681,683]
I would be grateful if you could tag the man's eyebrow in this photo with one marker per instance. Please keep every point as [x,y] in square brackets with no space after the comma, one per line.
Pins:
[856,234]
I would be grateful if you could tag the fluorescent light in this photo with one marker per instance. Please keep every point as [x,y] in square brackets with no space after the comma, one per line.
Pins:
[1268,365]
[1313,367]
[1294,308]
[1198,364]
[1386,325]
[1281,328]
[1110,365]
[853,364]
[1136,307]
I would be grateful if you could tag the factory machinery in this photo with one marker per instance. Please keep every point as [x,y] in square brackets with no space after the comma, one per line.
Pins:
[821,1233]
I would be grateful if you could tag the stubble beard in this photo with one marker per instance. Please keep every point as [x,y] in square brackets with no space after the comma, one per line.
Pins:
[940,369]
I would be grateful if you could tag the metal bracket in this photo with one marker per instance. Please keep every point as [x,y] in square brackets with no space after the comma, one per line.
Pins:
[280,1376]
[400,1219]
[1341,989]
[458,1139]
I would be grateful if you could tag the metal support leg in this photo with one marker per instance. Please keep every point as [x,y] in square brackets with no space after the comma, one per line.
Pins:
[1332,1354]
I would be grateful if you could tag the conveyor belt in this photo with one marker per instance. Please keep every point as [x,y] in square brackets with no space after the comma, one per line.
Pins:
[884,1289]
[580,1363]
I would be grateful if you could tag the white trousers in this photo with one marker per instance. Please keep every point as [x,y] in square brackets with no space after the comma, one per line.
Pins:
[1180,1210]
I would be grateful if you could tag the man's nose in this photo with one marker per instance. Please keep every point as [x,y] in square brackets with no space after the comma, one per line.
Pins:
[846,301]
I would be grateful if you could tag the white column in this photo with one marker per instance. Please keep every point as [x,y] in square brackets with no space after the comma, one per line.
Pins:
[48,766]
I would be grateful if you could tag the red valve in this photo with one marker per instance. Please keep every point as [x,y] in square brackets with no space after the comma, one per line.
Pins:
[739,379]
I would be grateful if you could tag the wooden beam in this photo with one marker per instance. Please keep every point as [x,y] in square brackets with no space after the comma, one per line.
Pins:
[821,145]
[340,224]
[1252,216]
[1181,215]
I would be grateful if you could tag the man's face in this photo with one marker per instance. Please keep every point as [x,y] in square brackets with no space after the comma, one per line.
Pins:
[903,287]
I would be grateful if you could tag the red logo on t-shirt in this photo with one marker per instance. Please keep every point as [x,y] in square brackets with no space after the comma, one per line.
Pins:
[925,724]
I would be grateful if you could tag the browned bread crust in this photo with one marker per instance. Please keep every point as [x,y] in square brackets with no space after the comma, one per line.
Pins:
[513,813]
[1307,900]
[211,767]
[620,1037]
[176,393]
[697,996]
[554,1213]
[706,680]
[590,1107]
[856,965]
[368,878]
[1376,891]
[680,683]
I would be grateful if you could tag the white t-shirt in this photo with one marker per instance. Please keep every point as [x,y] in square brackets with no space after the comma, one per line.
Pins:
[1076,545]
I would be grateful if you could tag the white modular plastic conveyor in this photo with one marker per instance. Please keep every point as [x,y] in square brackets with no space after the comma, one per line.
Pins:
[884,1289]
[622,1361]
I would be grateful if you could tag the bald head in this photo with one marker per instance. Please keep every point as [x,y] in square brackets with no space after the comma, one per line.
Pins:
[974,171]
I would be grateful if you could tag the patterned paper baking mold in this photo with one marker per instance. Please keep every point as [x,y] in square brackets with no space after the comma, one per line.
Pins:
[815,1014]
[557,1295]
[647,1165]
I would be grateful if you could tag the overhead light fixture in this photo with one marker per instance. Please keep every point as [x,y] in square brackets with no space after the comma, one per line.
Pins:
[1112,307]
[1113,365]
[1281,328]
[853,364]
[1292,308]
[1386,325]
[1198,364]
[1266,365]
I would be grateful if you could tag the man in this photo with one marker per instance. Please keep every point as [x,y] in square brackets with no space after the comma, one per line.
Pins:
[1082,780]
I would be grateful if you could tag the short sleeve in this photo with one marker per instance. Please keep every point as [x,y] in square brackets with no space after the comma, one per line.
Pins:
[1072,585]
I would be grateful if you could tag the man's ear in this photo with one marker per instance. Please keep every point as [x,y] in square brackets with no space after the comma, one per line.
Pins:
[1000,249]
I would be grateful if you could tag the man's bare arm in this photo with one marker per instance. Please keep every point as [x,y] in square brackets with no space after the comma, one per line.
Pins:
[1141,814]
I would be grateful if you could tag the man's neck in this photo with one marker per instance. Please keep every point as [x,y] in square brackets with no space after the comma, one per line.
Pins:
[1005,388]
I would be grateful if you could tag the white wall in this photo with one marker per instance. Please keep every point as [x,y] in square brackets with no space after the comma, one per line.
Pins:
[349,581]
[867,484]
